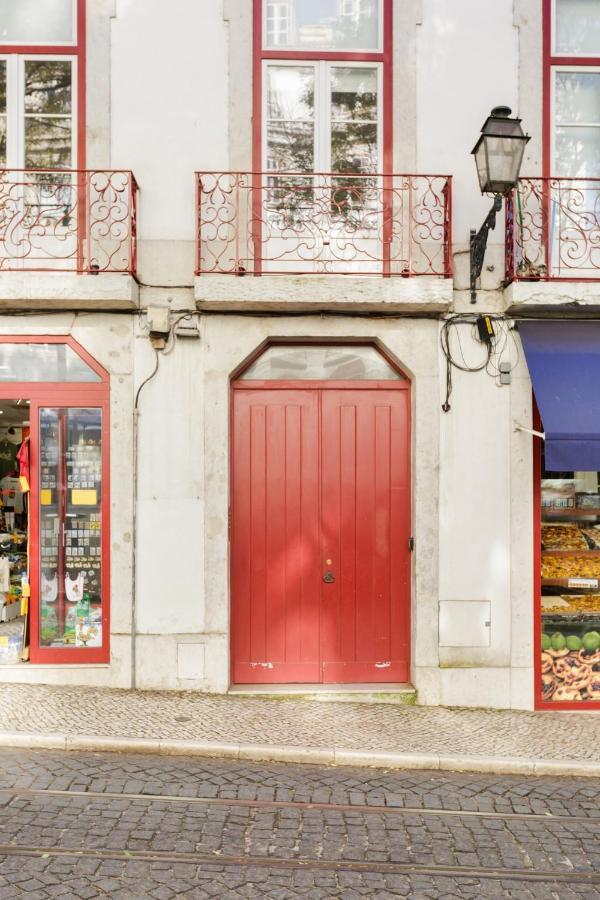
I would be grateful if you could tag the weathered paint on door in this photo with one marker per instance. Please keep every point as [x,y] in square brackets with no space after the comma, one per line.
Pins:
[320,532]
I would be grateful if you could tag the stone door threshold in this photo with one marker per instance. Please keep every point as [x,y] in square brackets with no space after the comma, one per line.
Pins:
[337,693]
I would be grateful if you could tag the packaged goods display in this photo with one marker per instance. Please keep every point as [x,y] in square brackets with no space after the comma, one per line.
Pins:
[570,585]
[14,534]
[71,528]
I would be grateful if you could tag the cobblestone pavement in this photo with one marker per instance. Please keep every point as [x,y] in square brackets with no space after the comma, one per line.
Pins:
[381,727]
[122,825]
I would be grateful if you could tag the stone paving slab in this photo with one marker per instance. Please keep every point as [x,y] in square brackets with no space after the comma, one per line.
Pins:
[295,730]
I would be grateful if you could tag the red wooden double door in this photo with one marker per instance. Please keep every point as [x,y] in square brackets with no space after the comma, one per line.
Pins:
[321,524]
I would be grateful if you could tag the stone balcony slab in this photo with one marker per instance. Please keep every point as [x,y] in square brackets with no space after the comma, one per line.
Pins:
[323,293]
[67,290]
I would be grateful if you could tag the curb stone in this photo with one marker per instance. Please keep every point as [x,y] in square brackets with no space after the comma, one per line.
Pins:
[501,765]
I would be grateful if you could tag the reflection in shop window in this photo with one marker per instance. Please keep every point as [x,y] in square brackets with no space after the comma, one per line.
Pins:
[70,528]
[570,583]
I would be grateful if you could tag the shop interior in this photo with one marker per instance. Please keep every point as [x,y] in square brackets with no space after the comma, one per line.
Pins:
[570,581]
[14,531]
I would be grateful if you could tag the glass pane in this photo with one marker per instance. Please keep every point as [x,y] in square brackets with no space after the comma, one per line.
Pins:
[570,579]
[70,528]
[354,148]
[43,362]
[36,21]
[577,27]
[577,152]
[290,146]
[322,24]
[290,92]
[578,97]
[2,140]
[353,94]
[48,87]
[47,143]
[2,85]
[321,363]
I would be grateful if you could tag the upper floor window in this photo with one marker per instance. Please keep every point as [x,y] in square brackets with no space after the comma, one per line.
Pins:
[322,25]
[37,22]
[577,28]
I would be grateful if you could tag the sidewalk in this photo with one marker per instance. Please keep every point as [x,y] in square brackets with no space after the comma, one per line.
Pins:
[384,735]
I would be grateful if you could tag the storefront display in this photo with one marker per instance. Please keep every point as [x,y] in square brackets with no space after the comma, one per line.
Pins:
[71,527]
[570,587]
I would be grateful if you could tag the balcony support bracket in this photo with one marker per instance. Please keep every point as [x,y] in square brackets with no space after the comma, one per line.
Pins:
[478,243]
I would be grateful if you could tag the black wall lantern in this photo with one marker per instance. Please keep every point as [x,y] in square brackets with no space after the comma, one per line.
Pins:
[498,156]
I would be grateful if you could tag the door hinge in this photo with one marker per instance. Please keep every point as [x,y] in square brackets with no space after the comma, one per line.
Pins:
[411,544]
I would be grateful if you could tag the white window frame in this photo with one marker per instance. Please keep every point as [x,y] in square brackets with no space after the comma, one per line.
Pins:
[322,107]
[553,44]
[72,43]
[15,105]
[299,49]
[554,71]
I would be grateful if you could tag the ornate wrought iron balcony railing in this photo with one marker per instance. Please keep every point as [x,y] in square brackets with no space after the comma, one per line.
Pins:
[289,223]
[553,230]
[68,220]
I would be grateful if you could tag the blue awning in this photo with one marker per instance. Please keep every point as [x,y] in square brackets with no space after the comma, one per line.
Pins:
[564,364]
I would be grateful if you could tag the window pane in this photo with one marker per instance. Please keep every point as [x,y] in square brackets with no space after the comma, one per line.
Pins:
[47,143]
[290,92]
[47,87]
[2,140]
[353,94]
[36,21]
[2,85]
[43,362]
[577,27]
[290,147]
[70,528]
[578,97]
[321,363]
[354,148]
[577,152]
[322,24]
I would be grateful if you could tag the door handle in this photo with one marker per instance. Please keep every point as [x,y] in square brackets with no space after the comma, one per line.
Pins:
[328,578]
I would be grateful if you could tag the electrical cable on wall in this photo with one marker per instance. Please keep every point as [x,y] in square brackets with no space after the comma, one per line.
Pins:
[494,332]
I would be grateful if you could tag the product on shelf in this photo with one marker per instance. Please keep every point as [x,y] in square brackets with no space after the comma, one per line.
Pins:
[570,666]
[563,537]
[571,603]
[557,568]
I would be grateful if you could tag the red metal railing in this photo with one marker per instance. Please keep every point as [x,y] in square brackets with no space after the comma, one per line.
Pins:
[68,220]
[323,223]
[553,230]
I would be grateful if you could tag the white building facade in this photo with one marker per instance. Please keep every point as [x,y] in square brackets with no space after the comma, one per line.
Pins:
[234,261]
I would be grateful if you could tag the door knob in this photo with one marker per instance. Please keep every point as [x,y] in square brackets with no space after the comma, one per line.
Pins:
[328,578]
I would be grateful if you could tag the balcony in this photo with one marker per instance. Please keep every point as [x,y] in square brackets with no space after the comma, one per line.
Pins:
[68,223]
[338,239]
[553,243]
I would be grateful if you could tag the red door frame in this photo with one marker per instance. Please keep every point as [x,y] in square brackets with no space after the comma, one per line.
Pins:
[237,384]
[259,54]
[539,703]
[64,394]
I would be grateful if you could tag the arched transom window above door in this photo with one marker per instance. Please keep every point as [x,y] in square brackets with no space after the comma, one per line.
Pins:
[319,362]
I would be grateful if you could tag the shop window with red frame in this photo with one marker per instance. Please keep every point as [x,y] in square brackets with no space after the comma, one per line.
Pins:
[569,624]
[54,541]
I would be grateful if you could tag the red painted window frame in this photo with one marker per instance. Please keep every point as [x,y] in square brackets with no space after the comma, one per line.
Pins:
[64,394]
[385,56]
[76,49]
[539,703]
[549,61]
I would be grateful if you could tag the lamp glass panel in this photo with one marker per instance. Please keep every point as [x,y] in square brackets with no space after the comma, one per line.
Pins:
[504,161]
[577,27]
[36,21]
[322,24]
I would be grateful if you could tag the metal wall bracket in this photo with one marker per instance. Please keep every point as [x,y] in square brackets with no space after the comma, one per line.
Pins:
[478,243]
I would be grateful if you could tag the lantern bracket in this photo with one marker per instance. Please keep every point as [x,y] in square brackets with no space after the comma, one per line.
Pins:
[478,243]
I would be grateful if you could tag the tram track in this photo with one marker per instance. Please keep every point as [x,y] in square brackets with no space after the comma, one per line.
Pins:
[329,865]
[301,805]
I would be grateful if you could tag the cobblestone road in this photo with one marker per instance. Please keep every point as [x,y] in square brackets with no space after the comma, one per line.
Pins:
[93,825]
